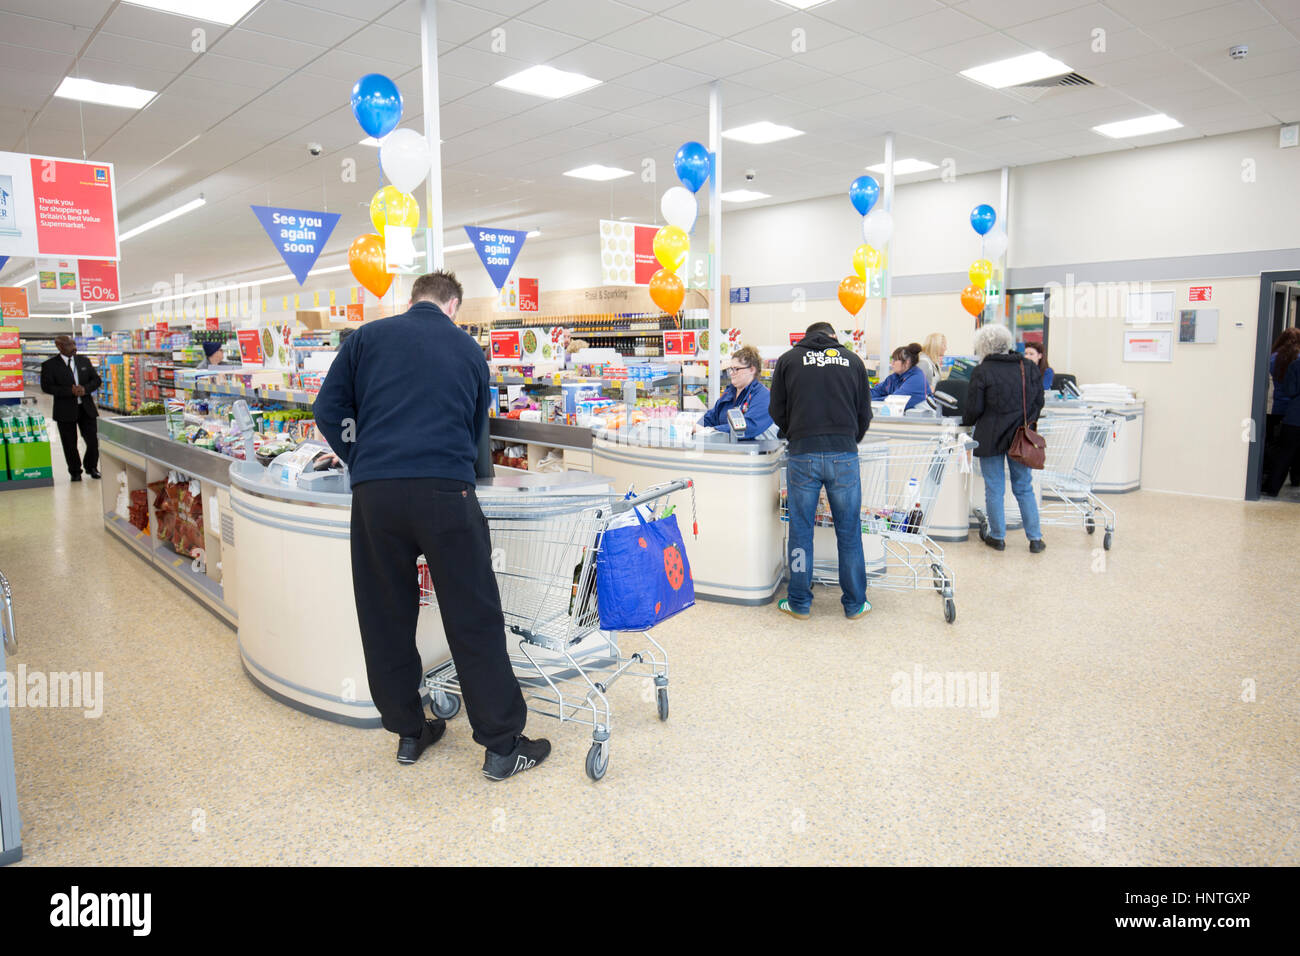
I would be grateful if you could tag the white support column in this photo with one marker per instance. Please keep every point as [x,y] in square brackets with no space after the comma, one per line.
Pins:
[432,133]
[887,280]
[1001,265]
[716,292]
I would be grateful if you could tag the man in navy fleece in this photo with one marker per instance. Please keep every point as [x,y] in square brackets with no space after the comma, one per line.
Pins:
[403,406]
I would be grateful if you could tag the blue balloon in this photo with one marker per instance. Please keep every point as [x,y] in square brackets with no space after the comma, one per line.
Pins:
[692,164]
[862,193]
[377,104]
[982,218]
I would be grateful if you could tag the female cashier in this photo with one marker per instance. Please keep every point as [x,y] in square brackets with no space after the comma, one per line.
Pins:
[906,377]
[1038,355]
[746,393]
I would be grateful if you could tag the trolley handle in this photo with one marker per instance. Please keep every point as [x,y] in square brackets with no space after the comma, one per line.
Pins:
[650,494]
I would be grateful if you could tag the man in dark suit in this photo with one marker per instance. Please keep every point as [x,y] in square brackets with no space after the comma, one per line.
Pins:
[71,378]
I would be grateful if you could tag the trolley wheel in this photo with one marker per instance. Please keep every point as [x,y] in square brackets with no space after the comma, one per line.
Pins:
[949,610]
[448,710]
[1089,525]
[1105,542]
[597,761]
[661,698]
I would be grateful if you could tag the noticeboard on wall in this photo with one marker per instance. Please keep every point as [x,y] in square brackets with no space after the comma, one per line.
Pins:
[1198,326]
[1149,345]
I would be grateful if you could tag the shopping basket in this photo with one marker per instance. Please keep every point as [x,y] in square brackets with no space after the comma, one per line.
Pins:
[545,550]
[901,482]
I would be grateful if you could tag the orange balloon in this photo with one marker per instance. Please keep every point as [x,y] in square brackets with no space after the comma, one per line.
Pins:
[972,299]
[366,260]
[853,294]
[667,290]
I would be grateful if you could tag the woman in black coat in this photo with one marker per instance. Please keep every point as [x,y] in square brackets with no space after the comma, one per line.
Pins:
[1005,390]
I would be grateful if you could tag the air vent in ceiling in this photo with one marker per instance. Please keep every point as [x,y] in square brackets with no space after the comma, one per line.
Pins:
[1065,79]
[1037,89]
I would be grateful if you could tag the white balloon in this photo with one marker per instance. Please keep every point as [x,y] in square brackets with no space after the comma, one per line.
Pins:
[680,207]
[995,243]
[877,227]
[404,157]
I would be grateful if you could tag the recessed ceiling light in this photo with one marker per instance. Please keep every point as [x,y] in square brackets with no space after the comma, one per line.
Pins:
[106,94]
[1016,70]
[190,206]
[904,166]
[1142,125]
[743,195]
[598,172]
[214,11]
[763,132]
[547,81]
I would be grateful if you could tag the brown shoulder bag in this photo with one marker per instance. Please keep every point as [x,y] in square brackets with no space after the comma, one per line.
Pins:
[1027,446]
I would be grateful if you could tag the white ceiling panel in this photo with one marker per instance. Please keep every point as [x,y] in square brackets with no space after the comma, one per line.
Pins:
[83,13]
[869,16]
[780,75]
[1217,22]
[780,37]
[849,54]
[1144,12]
[725,18]
[165,56]
[260,48]
[896,73]
[941,28]
[214,66]
[1000,14]
[473,63]
[350,67]
[663,79]
[42,34]
[658,38]
[457,22]
[382,43]
[48,70]
[580,17]
[284,18]
[598,61]
[722,58]
[1071,27]
[975,51]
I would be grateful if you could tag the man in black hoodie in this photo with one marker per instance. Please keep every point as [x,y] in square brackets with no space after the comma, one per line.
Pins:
[821,401]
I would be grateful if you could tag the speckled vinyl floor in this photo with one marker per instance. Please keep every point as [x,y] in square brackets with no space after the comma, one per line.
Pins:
[1124,729]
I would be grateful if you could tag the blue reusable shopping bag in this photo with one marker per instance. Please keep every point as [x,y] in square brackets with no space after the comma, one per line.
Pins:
[642,575]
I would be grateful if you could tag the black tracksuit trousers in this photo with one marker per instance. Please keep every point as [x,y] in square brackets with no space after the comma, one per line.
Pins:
[393,522]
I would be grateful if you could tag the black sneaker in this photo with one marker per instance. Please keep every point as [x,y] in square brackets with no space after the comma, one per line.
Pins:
[997,544]
[1037,545]
[526,755]
[410,748]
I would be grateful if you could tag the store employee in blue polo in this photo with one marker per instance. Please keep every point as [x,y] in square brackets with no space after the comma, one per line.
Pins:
[745,392]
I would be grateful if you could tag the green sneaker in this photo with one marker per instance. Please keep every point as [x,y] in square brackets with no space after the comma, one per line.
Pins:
[783,605]
[860,612]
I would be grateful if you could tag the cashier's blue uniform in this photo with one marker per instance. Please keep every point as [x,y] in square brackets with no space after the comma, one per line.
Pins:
[752,402]
[911,383]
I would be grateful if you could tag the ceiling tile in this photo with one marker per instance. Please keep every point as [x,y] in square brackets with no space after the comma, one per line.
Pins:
[869,16]
[580,17]
[930,31]
[42,34]
[284,18]
[599,61]
[260,48]
[1000,14]
[658,38]
[1072,27]
[1217,22]
[780,75]
[728,17]
[663,78]
[383,43]
[722,58]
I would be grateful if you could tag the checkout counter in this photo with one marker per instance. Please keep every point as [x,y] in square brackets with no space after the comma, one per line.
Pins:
[298,634]
[739,556]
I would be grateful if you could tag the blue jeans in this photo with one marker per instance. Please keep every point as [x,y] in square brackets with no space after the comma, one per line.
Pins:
[806,475]
[995,489]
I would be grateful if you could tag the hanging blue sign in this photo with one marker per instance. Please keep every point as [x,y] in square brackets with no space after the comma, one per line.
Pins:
[498,248]
[299,234]
[3,260]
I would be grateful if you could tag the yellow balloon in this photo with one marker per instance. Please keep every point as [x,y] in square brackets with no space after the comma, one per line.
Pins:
[671,245]
[865,257]
[392,207]
[980,272]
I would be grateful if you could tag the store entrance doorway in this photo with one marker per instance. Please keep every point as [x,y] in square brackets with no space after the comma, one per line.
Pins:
[1279,306]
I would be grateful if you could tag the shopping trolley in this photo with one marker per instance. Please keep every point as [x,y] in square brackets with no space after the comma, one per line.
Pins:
[901,482]
[544,552]
[1076,447]
[11,846]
